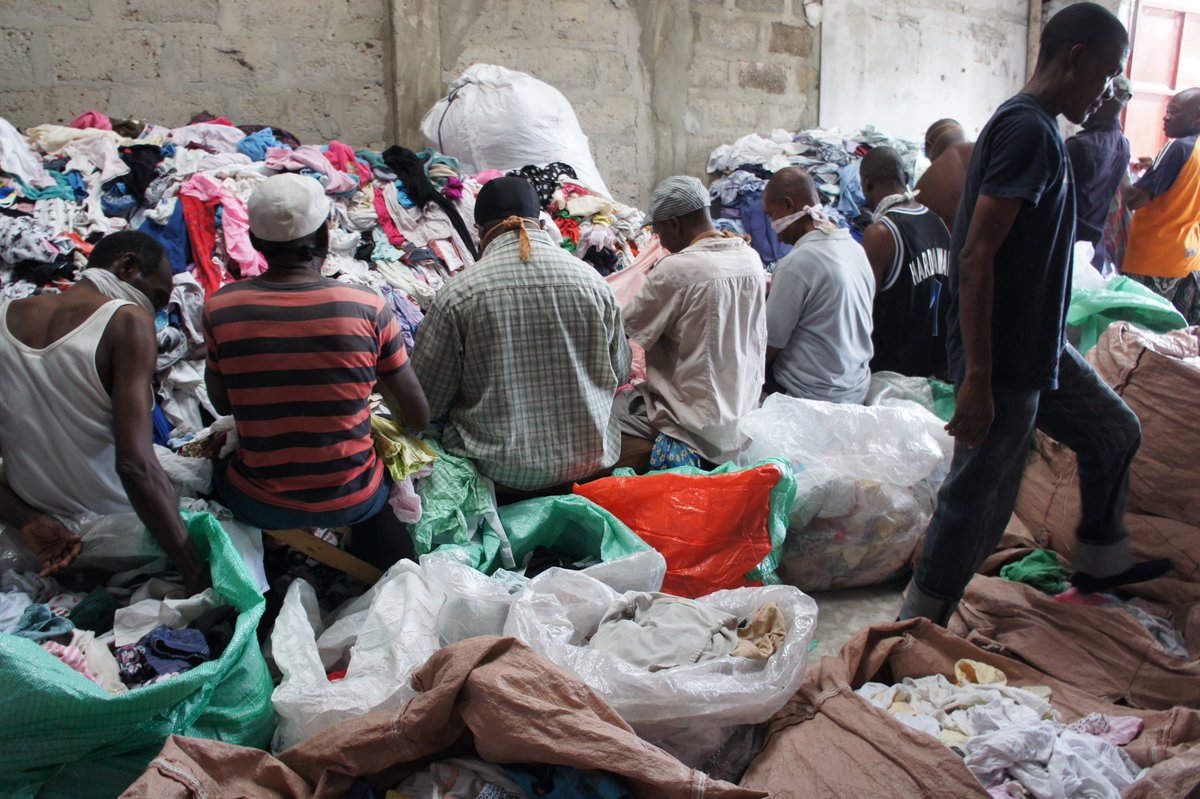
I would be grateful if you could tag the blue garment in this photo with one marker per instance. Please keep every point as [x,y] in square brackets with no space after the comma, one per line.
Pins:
[169,651]
[116,201]
[162,427]
[61,190]
[671,452]
[38,623]
[1099,161]
[564,782]
[1021,155]
[255,145]
[76,181]
[748,209]
[173,237]
[977,498]
[851,199]
[267,517]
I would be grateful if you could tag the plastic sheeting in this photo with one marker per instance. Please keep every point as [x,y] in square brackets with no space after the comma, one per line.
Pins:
[686,709]
[867,478]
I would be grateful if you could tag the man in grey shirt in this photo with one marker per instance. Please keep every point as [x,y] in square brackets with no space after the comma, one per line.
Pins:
[819,305]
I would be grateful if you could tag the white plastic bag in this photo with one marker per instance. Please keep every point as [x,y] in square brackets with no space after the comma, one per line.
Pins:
[477,604]
[867,479]
[386,634]
[686,709]
[497,118]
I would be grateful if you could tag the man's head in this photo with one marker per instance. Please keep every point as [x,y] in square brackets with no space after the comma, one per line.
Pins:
[790,191]
[503,198]
[287,218]
[678,212]
[136,259]
[1083,48]
[1110,110]
[1183,115]
[942,135]
[882,174]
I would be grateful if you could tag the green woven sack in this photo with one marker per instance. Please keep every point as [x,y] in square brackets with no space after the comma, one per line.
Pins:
[1121,300]
[63,735]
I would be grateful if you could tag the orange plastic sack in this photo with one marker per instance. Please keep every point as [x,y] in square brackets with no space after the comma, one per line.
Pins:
[716,530]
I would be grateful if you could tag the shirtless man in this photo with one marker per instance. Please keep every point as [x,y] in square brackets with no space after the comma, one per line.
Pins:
[949,152]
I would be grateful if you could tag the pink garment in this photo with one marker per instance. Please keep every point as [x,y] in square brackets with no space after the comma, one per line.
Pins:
[1073,596]
[308,156]
[488,174]
[342,156]
[71,656]
[405,502]
[91,119]
[234,221]
[220,121]
[625,284]
[385,218]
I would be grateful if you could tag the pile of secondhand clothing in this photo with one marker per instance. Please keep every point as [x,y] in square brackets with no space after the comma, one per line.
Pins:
[741,171]
[402,221]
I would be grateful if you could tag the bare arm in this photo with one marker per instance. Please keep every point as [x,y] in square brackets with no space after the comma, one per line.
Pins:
[881,252]
[218,394]
[772,353]
[990,226]
[405,398]
[147,485]
[1135,198]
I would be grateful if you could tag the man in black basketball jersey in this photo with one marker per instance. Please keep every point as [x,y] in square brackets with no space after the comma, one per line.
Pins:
[908,247]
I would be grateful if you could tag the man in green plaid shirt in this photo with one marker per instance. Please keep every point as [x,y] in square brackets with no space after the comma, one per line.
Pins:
[521,355]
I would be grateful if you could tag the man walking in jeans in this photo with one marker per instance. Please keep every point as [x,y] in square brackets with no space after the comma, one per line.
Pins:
[1010,276]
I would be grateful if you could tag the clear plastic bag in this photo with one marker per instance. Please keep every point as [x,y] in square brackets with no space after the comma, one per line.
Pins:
[379,639]
[867,478]
[686,709]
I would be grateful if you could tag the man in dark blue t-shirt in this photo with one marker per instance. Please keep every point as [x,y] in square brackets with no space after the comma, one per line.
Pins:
[1100,162]
[1009,282]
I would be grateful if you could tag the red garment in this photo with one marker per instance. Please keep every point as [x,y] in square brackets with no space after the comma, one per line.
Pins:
[201,220]
[394,236]
[91,119]
[569,228]
[342,157]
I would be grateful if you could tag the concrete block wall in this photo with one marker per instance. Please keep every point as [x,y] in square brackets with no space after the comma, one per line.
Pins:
[315,67]
[656,84]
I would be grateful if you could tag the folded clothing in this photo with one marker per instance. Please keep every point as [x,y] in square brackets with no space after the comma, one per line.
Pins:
[163,653]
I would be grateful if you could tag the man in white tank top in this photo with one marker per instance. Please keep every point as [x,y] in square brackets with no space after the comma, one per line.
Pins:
[75,425]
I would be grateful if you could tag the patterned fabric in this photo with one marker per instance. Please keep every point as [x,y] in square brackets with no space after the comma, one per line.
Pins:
[671,452]
[1183,292]
[522,360]
[300,361]
[71,656]
[546,179]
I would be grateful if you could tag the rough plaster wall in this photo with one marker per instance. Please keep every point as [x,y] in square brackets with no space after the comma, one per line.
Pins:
[316,67]
[657,85]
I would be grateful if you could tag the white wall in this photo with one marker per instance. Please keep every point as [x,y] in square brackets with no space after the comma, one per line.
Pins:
[901,66]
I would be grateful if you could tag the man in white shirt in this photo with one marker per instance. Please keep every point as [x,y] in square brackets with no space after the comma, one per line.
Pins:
[819,309]
[701,317]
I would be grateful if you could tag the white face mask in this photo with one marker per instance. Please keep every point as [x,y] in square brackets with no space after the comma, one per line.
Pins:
[816,212]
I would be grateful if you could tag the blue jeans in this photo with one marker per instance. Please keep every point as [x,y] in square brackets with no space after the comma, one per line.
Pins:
[270,517]
[977,499]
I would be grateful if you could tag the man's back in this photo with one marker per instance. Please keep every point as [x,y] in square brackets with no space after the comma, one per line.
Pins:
[56,421]
[819,317]
[523,359]
[1099,160]
[941,186]
[299,361]
[701,317]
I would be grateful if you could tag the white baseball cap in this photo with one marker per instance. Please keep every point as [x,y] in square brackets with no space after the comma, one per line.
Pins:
[287,207]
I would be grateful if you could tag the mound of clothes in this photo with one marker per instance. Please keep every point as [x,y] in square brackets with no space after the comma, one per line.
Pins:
[741,171]
[402,221]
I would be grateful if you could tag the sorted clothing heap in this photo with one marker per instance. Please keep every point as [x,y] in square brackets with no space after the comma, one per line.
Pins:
[743,168]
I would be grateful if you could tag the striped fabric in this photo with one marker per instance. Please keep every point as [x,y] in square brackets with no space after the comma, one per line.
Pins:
[299,362]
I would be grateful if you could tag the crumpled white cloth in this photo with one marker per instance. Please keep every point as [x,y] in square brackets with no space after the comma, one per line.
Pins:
[132,623]
[17,158]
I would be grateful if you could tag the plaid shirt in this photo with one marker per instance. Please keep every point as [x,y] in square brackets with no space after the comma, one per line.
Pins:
[522,360]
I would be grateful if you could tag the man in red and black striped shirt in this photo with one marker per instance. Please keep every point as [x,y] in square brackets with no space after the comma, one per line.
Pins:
[294,356]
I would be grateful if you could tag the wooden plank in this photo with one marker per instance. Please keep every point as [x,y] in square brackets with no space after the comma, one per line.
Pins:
[324,552]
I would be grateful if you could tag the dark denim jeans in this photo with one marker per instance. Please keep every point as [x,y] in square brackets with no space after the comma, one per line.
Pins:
[977,499]
[269,517]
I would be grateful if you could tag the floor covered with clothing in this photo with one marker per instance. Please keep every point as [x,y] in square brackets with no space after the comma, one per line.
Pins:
[666,630]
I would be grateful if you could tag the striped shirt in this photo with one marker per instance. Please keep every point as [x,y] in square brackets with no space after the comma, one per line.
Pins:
[523,361]
[299,362]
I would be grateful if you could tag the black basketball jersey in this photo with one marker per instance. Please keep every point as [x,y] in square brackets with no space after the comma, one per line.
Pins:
[910,309]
